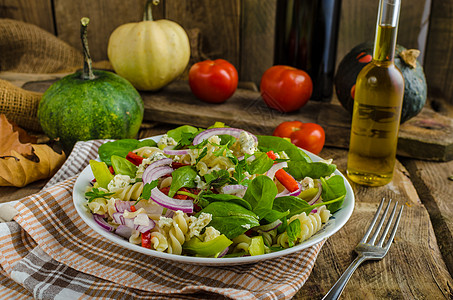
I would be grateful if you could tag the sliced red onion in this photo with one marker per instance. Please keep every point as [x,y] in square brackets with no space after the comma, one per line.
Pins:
[269,227]
[233,188]
[317,196]
[285,192]
[155,173]
[124,231]
[271,172]
[171,203]
[204,135]
[160,162]
[121,206]
[176,152]
[120,219]
[151,208]
[101,222]
[222,254]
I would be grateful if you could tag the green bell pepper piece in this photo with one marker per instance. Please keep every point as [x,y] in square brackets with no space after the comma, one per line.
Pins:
[256,246]
[101,173]
[210,248]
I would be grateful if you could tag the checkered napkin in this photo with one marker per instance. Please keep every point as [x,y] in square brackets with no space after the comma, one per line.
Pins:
[50,253]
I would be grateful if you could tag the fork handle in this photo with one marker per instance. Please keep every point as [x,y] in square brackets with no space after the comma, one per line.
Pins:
[338,287]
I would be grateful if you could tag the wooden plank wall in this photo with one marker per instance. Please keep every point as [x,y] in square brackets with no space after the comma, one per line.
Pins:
[242,31]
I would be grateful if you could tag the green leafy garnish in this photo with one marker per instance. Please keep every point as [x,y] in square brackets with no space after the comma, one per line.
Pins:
[95,193]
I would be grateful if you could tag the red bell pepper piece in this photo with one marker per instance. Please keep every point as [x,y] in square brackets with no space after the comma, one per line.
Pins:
[134,158]
[271,155]
[146,239]
[287,180]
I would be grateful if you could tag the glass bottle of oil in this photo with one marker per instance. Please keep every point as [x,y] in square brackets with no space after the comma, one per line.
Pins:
[377,106]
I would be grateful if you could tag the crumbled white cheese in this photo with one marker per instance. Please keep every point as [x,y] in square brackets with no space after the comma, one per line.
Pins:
[211,233]
[147,161]
[200,183]
[164,221]
[118,182]
[166,141]
[247,143]
[197,224]
[307,183]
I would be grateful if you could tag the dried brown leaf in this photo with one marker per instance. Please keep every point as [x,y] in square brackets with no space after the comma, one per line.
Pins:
[19,171]
[21,164]
[9,139]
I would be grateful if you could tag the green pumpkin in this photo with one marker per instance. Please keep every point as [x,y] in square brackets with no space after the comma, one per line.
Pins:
[415,89]
[90,105]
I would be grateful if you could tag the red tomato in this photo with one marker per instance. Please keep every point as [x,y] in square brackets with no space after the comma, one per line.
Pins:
[308,136]
[285,88]
[213,81]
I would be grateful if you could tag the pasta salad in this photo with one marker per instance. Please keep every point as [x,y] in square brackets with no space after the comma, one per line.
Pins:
[216,192]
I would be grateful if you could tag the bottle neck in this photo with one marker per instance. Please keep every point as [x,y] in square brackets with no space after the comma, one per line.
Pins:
[386,31]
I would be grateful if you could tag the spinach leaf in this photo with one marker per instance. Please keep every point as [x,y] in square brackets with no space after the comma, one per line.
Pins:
[217,178]
[333,188]
[121,148]
[183,135]
[272,215]
[292,204]
[177,133]
[277,144]
[146,143]
[230,218]
[293,231]
[123,166]
[261,164]
[301,169]
[297,206]
[182,177]
[260,194]
[211,197]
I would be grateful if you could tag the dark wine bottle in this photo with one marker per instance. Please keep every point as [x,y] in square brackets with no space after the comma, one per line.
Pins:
[306,38]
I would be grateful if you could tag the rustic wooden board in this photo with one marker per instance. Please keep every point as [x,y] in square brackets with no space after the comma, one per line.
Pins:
[413,268]
[435,187]
[257,38]
[105,16]
[438,59]
[217,20]
[38,12]
[427,136]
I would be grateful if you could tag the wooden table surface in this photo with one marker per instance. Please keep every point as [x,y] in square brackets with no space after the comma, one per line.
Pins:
[419,264]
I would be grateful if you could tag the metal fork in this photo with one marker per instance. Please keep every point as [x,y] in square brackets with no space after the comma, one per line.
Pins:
[368,250]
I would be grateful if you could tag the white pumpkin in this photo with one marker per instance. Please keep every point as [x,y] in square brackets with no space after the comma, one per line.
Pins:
[150,54]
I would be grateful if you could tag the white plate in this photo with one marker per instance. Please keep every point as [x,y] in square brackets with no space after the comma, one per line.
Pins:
[337,221]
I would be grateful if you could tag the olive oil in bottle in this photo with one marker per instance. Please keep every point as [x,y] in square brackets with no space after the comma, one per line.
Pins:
[377,106]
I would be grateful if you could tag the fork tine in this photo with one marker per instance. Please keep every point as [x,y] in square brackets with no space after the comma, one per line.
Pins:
[387,227]
[367,233]
[378,228]
[395,227]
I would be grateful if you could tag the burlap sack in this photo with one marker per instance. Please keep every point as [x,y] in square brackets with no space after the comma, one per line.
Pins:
[19,105]
[26,48]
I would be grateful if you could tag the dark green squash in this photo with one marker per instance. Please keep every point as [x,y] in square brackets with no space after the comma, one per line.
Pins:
[90,105]
[415,89]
